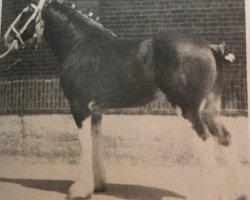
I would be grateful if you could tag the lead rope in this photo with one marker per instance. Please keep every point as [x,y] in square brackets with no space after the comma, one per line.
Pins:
[36,14]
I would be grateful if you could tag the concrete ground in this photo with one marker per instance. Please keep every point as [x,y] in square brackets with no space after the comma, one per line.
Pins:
[51,182]
[146,158]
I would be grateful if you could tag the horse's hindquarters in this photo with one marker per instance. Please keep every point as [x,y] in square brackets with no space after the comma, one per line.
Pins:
[185,71]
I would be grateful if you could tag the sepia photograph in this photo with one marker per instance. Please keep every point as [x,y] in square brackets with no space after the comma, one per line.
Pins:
[124,99]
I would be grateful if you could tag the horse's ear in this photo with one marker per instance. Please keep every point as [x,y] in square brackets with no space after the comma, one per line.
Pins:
[222,48]
[215,48]
[218,49]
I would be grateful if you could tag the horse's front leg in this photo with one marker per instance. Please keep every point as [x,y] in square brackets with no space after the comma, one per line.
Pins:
[98,165]
[83,187]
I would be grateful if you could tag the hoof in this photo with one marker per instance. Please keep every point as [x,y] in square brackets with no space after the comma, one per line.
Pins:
[204,136]
[224,140]
[80,191]
[100,189]
[224,143]
[100,182]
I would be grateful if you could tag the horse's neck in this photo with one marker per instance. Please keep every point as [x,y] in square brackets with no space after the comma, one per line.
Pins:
[61,34]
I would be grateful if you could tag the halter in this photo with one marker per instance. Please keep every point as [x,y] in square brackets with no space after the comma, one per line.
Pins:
[36,15]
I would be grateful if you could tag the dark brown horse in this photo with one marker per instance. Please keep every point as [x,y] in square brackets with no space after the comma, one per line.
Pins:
[99,70]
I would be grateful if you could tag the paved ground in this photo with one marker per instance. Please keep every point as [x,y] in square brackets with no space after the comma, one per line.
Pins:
[144,140]
[146,157]
[51,182]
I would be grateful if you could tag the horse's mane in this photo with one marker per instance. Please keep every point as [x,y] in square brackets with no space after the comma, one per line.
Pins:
[77,17]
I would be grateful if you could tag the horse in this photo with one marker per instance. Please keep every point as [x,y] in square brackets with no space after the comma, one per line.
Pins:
[101,71]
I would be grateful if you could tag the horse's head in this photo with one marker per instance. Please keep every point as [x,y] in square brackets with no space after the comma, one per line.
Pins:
[27,27]
[222,53]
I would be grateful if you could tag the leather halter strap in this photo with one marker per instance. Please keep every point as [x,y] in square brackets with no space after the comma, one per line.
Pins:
[36,15]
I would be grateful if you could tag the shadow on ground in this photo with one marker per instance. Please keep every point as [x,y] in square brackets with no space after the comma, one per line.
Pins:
[137,192]
[47,185]
[123,191]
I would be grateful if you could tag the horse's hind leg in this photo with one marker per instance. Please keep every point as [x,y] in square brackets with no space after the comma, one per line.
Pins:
[211,117]
[193,114]
[98,165]
[83,187]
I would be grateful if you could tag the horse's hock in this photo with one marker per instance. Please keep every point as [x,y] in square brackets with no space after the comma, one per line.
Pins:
[29,78]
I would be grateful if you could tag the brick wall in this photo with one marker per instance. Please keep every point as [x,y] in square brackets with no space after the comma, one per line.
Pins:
[36,95]
[44,95]
[216,21]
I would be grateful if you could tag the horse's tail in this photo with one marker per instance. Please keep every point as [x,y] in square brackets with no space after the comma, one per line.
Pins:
[222,56]
[217,51]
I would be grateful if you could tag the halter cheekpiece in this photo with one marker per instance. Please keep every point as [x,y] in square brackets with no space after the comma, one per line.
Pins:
[36,15]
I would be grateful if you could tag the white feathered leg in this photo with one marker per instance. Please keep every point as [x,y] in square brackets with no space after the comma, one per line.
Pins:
[98,165]
[84,185]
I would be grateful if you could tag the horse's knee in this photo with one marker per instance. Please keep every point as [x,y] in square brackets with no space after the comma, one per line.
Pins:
[79,111]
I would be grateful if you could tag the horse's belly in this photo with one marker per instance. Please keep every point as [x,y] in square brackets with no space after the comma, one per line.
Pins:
[127,96]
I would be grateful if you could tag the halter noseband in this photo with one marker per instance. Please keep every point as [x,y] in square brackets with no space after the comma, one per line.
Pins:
[36,15]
